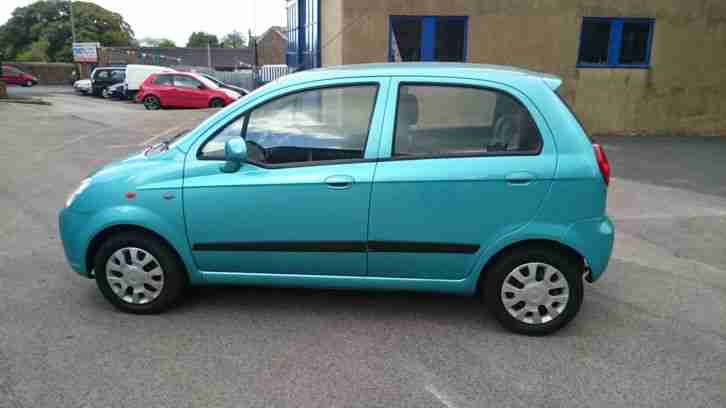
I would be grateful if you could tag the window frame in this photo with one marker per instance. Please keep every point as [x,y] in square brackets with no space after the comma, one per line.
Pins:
[459,155]
[428,35]
[246,114]
[615,42]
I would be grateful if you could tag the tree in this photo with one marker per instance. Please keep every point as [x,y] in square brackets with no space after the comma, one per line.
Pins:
[235,39]
[38,52]
[200,39]
[49,21]
[166,43]
[157,42]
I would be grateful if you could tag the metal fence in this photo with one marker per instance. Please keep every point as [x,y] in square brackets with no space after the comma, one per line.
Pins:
[269,73]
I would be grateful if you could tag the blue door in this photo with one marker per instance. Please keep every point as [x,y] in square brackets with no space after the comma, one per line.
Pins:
[463,164]
[300,206]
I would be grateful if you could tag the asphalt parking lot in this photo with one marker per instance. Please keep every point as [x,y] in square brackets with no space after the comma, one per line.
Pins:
[651,332]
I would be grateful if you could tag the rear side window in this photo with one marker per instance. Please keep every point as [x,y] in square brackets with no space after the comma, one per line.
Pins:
[162,80]
[450,120]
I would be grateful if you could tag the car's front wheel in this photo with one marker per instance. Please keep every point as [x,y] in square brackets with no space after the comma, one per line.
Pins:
[105,93]
[534,290]
[138,273]
[151,102]
[29,83]
[216,103]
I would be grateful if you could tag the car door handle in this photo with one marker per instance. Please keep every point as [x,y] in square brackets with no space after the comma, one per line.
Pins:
[520,178]
[339,182]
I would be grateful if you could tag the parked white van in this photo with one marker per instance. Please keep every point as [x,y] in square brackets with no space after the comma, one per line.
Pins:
[137,74]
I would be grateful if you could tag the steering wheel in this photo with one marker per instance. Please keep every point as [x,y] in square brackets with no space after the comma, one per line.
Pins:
[256,152]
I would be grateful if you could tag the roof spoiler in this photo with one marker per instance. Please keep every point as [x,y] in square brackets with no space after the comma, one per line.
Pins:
[552,82]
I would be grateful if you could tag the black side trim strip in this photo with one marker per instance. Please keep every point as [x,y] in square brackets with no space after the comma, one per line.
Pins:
[338,246]
[421,247]
[284,246]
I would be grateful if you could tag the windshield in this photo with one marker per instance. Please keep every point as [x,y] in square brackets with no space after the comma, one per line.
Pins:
[206,81]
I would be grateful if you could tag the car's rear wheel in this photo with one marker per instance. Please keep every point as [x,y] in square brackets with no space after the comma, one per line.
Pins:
[216,103]
[29,83]
[151,102]
[534,290]
[138,273]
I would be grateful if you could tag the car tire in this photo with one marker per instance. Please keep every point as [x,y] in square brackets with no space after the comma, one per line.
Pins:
[131,287]
[545,294]
[152,102]
[216,103]
[105,93]
[29,83]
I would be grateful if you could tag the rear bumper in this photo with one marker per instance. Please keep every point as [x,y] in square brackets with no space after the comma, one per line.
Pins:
[595,239]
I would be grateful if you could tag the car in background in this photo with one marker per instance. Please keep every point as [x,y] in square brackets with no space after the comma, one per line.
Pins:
[137,74]
[117,91]
[239,90]
[13,76]
[183,90]
[102,78]
[454,178]
[82,86]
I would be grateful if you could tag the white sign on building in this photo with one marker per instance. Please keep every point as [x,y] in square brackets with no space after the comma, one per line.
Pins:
[86,52]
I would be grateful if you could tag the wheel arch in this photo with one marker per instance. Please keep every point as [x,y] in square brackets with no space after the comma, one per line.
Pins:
[530,242]
[104,234]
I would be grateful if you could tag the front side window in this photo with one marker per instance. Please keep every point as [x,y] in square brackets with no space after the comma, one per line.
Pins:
[434,120]
[184,81]
[320,125]
[102,75]
[615,42]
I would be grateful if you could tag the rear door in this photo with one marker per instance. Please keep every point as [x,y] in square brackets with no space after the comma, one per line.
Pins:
[463,163]
[163,84]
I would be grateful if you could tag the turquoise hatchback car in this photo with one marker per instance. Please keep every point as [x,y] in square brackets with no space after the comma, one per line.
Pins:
[450,178]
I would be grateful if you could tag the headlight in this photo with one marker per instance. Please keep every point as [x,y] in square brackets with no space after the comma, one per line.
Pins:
[231,94]
[72,196]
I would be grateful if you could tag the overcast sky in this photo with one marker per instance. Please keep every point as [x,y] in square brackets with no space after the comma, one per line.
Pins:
[176,20]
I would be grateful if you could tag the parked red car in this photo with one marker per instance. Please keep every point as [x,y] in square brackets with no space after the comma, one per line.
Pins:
[183,90]
[12,75]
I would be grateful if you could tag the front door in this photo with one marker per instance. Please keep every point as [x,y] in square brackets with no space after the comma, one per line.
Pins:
[463,164]
[300,205]
[188,92]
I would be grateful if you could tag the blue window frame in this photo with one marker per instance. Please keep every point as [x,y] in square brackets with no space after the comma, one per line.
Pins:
[428,38]
[615,42]
[303,33]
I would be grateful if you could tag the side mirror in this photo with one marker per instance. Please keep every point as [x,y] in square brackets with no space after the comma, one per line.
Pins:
[201,87]
[235,154]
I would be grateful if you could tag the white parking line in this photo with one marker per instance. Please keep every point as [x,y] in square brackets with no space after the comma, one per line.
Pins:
[440,396]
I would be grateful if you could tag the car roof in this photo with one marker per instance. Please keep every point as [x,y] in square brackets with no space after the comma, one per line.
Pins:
[437,69]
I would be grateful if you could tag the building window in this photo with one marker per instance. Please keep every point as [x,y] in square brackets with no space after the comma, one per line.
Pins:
[427,38]
[303,33]
[615,42]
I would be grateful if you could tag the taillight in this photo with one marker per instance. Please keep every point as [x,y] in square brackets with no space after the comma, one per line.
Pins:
[602,162]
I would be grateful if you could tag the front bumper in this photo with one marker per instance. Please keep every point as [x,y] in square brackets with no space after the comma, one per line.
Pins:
[71,225]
